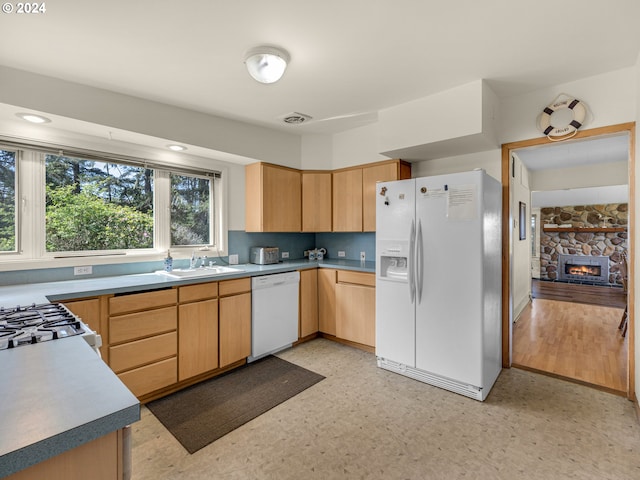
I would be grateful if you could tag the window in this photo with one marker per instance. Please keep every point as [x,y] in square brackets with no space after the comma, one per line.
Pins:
[79,203]
[534,223]
[190,210]
[97,206]
[8,197]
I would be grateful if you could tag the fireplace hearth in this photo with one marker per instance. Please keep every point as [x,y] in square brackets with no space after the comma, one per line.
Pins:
[583,268]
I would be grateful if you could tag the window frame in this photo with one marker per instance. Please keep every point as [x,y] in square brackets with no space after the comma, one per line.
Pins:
[17,230]
[31,210]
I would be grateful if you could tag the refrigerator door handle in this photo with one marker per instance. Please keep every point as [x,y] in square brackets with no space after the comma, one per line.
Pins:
[419,262]
[412,242]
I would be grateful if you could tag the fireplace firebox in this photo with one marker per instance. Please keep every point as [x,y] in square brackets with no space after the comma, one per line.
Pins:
[593,269]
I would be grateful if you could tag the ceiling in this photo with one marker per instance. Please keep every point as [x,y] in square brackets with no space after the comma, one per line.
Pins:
[349,59]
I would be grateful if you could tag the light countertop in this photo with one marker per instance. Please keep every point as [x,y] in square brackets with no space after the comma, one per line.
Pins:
[23,295]
[57,396]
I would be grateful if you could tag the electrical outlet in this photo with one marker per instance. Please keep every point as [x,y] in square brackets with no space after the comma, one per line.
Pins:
[233,259]
[85,270]
[362,256]
[341,253]
[285,254]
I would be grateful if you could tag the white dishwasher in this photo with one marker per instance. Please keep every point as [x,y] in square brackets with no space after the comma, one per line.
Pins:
[274,313]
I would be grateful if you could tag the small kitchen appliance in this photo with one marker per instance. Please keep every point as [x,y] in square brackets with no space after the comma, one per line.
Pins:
[264,255]
[21,326]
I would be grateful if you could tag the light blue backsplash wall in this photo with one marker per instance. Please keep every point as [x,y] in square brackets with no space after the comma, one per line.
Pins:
[296,243]
[240,243]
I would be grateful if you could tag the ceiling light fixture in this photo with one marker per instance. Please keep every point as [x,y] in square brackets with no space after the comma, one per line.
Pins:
[33,118]
[176,148]
[266,64]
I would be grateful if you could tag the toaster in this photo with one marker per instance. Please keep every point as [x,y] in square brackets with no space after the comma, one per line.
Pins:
[264,255]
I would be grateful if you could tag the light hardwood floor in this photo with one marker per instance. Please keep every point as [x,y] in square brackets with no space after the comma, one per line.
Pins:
[576,341]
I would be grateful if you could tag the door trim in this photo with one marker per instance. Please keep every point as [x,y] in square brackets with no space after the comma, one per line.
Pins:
[628,128]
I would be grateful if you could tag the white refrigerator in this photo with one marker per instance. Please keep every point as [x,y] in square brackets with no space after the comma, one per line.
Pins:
[438,280]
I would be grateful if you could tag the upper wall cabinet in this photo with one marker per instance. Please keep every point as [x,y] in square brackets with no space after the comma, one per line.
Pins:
[347,200]
[316,201]
[281,199]
[272,198]
[354,193]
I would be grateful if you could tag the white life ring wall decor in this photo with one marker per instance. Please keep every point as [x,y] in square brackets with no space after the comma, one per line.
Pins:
[567,130]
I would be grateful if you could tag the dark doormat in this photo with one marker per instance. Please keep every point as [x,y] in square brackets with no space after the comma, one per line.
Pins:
[199,415]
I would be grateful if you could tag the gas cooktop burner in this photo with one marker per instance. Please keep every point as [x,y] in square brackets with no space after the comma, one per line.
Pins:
[37,323]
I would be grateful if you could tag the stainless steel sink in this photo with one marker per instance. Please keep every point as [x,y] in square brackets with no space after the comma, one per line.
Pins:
[199,272]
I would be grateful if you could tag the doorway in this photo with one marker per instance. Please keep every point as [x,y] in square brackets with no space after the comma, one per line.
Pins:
[508,301]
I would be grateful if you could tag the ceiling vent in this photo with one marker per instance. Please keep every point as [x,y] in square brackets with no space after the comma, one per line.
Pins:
[295,118]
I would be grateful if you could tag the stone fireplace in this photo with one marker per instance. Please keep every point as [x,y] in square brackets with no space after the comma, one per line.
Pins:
[594,236]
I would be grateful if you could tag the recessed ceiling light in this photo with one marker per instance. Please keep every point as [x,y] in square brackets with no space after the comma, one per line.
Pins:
[176,147]
[33,118]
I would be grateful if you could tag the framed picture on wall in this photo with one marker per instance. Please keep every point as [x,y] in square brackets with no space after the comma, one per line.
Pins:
[523,221]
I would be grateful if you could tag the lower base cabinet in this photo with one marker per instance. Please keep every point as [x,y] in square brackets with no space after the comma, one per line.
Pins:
[198,338]
[327,300]
[235,320]
[356,307]
[106,458]
[308,303]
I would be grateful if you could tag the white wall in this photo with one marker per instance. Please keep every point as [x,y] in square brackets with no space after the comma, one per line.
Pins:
[317,152]
[609,97]
[356,146]
[456,112]
[489,161]
[521,249]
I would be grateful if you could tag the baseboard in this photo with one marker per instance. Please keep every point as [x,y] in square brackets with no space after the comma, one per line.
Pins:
[520,308]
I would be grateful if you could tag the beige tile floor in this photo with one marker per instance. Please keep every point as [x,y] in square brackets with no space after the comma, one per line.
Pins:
[362,422]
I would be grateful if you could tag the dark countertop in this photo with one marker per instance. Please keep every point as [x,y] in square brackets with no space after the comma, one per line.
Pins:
[59,395]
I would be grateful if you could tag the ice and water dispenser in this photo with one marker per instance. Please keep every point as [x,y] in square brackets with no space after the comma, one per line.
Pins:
[394,262]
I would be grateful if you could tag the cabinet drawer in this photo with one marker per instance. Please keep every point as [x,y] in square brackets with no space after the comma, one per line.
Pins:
[141,301]
[148,350]
[142,324]
[152,377]
[359,278]
[201,291]
[231,287]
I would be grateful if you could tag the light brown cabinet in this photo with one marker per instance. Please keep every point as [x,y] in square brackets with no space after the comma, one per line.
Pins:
[308,303]
[354,194]
[235,320]
[355,299]
[327,300]
[316,201]
[347,200]
[197,329]
[281,199]
[142,339]
[101,459]
[381,172]
[272,198]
